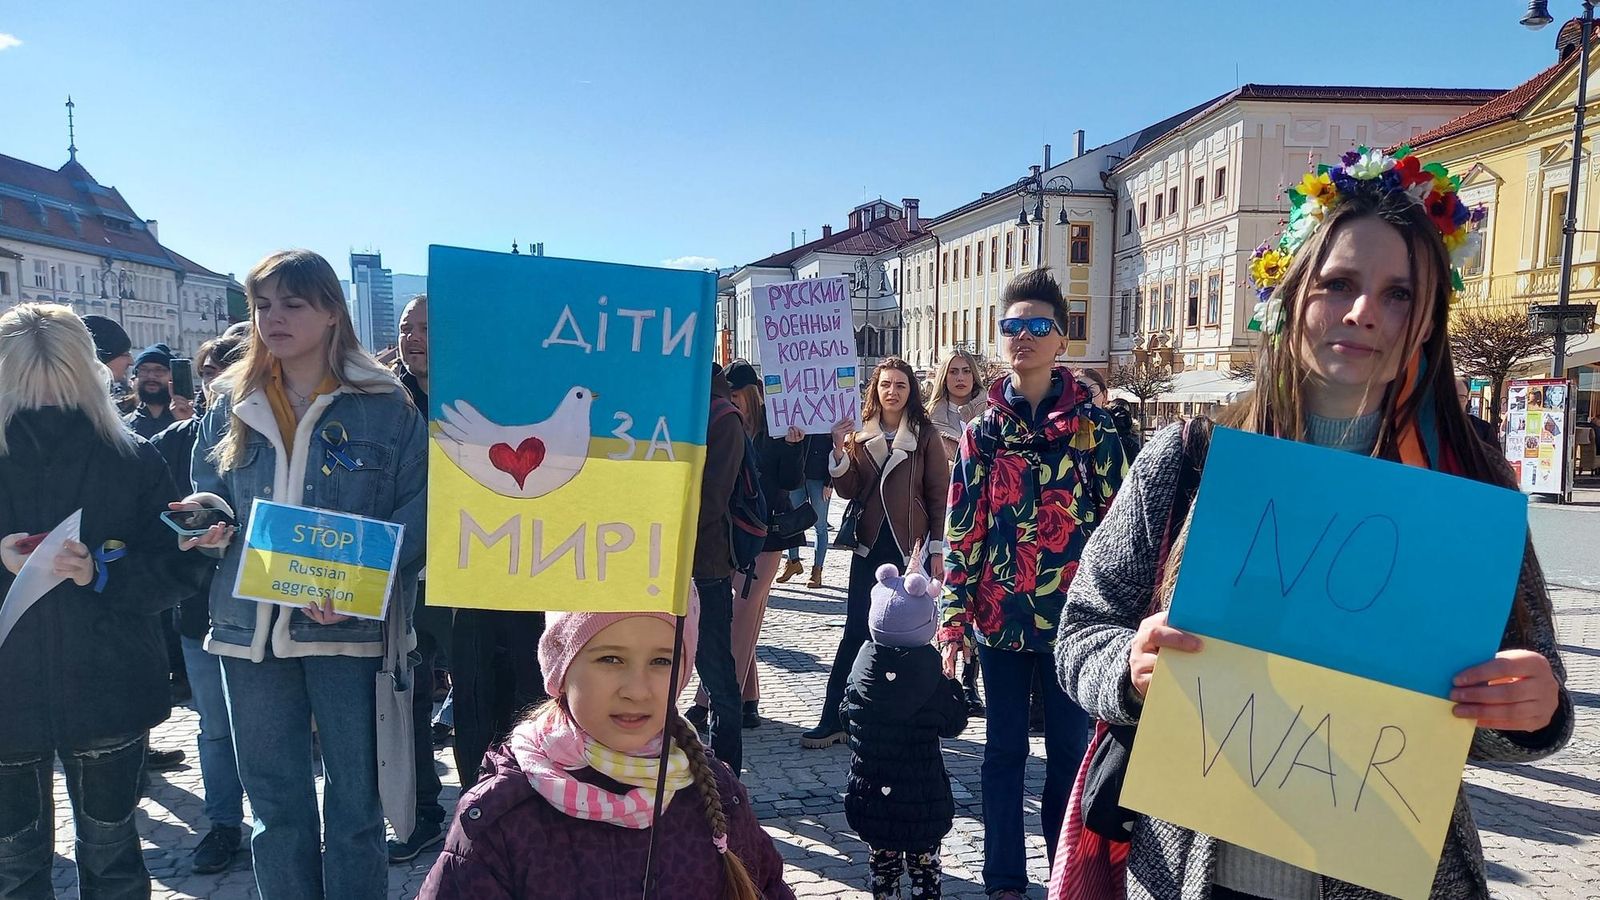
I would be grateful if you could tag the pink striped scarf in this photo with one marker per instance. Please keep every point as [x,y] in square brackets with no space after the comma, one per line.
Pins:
[550,746]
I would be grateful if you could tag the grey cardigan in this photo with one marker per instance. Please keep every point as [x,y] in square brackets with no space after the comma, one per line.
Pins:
[1108,598]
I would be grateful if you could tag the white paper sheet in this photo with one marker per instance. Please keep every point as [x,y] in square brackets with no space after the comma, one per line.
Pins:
[36,578]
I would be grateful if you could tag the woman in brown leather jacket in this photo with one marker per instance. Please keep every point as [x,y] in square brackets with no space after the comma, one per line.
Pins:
[896,471]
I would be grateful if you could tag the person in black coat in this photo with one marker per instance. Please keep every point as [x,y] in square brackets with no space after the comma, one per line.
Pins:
[85,667]
[219,768]
[781,461]
[897,706]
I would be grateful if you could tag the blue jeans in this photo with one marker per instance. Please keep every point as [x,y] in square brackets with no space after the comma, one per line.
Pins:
[813,492]
[1008,675]
[713,659]
[219,771]
[103,785]
[272,703]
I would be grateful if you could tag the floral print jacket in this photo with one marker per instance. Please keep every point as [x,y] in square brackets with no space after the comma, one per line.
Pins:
[1023,502]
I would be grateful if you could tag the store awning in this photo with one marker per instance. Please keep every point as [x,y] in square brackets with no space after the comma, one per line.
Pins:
[1199,386]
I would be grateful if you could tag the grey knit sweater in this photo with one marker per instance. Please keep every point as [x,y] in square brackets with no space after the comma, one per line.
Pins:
[1107,599]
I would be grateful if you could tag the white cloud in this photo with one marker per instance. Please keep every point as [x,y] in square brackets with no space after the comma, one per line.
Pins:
[691,262]
[7,41]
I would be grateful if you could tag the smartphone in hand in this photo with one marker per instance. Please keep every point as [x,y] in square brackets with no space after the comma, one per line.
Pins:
[195,522]
[183,378]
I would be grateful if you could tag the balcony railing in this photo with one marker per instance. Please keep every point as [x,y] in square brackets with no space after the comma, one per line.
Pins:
[1516,290]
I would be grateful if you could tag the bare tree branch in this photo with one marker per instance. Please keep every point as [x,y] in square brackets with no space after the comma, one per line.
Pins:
[1489,344]
[1146,379]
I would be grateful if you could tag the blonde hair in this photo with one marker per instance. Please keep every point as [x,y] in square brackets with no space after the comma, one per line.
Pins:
[941,382]
[303,274]
[47,358]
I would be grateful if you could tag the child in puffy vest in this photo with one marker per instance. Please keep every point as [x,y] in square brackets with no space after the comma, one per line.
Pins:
[896,708]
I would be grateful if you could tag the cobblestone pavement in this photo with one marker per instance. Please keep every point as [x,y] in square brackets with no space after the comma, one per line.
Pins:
[1540,823]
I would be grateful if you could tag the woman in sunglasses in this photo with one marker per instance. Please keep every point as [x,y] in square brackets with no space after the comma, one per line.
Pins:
[1033,477]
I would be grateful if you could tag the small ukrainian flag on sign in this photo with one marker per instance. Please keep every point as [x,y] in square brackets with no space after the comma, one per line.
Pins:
[774,384]
[845,376]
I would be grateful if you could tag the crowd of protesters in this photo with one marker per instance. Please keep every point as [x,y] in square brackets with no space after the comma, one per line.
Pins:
[1000,533]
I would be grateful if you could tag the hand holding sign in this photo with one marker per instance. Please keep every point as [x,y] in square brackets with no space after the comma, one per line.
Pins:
[1515,691]
[1154,633]
[805,335]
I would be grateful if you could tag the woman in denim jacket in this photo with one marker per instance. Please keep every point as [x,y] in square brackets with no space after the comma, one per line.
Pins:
[308,418]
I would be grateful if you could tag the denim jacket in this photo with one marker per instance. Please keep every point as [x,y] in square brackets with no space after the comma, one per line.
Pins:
[388,443]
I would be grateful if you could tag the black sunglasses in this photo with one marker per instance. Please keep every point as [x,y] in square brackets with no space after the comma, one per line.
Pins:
[1038,326]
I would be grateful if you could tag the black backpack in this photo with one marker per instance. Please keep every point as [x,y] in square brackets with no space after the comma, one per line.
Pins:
[747,508]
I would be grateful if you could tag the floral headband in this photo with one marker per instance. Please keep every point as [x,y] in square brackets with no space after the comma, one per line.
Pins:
[1430,186]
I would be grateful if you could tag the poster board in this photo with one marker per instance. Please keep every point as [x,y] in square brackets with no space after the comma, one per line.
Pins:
[805,341]
[296,556]
[1537,417]
[1312,726]
[568,403]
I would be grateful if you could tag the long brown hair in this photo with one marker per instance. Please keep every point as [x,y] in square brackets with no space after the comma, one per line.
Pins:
[756,425]
[1277,404]
[306,275]
[916,415]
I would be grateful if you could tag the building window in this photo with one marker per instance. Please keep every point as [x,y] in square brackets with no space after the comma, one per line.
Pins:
[1008,249]
[1473,264]
[1142,208]
[966,325]
[41,276]
[1167,297]
[980,257]
[1077,320]
[1219,187]
[918,273]
[966,261]
[994,253]
[5,283]
[1127,227]
[1160,200]
[1554,216]
[1124,310]
[1213,299]
[1192,320]
[930,271]
[1199,190]
[1025,234]
[1172,201]
[1154,311]
[1079,236]
[944,267]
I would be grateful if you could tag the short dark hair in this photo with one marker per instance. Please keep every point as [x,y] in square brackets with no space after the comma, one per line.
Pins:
[1038,286]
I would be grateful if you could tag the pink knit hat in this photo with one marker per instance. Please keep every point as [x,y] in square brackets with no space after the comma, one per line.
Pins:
[566,634]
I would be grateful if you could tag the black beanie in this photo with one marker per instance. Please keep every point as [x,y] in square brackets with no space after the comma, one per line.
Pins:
[155,353]
[742,374]
[110,341]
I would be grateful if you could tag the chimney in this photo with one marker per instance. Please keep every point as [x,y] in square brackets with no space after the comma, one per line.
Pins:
[1047,157]
[913,215]
[1077,143]
[827,231]
[1034,170]
[154,229]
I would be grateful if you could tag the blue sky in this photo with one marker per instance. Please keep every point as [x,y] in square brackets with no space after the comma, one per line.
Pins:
[644,132]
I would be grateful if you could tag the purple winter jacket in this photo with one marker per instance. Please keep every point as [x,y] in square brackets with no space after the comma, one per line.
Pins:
[508,842]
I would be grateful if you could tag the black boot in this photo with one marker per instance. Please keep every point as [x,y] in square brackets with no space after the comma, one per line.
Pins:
[752,718]
[969,681]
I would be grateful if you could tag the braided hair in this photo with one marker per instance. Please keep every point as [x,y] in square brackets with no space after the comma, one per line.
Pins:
[739,884]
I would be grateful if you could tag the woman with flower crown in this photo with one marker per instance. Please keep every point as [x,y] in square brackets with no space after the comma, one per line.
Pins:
[1355,299]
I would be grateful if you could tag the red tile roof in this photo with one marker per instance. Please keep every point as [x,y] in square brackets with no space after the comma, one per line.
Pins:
[880,235]
[1506,106]
[67,208]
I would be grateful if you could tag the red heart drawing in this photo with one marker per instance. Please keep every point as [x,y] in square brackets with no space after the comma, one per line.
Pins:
[519,462]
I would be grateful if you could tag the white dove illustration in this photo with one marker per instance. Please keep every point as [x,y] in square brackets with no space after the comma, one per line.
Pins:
[519,460]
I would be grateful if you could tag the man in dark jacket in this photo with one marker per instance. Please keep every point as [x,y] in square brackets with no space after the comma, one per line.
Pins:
[219,768]
[713,578]
[85,667]
[115,351]
[152,384]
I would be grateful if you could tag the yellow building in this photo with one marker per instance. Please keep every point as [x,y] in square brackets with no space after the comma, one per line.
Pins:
[1514,156]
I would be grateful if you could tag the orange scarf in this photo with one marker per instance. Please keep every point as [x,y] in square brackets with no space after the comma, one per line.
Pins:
[283,411]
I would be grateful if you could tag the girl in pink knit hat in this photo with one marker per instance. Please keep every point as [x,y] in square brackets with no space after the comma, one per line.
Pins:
[568,801]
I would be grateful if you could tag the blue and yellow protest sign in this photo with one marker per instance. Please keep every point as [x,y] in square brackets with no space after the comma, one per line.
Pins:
[1336,601]
[568,425]
[294,555]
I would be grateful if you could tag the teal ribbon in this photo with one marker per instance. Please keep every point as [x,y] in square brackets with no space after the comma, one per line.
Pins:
[109,552]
